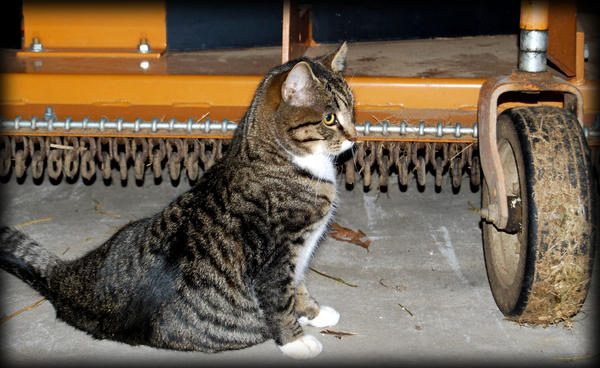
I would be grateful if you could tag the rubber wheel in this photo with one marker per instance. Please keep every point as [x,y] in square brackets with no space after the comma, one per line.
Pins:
[539,271]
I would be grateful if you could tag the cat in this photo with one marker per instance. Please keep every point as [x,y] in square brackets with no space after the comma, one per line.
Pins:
[222,266]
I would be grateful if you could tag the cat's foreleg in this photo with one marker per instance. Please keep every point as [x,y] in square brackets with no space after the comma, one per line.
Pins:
[306,306]
[309,311]
[276,295]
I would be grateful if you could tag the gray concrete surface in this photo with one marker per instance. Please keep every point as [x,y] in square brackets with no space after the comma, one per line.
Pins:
[426,246]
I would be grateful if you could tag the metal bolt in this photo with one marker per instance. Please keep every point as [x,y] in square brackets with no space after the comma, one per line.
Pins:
[144,47]
[49,113]
[36,45]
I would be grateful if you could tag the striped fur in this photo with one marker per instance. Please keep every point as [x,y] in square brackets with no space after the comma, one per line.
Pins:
[220,267]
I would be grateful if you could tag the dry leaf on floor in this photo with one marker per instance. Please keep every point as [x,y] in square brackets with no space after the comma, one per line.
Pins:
[348,235]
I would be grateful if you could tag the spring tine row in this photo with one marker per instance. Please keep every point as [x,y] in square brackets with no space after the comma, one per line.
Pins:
[88,156]
[404,158]
[68,156]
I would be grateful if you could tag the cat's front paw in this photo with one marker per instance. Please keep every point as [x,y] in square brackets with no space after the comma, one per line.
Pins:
[327,317]
[304,347]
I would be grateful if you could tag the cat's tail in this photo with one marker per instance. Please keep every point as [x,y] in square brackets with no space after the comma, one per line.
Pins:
[26,259]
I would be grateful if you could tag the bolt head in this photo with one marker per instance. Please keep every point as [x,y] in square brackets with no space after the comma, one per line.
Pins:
[36,45]
[143,47]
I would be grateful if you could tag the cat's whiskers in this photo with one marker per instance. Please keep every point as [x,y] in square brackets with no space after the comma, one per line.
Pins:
[354,157]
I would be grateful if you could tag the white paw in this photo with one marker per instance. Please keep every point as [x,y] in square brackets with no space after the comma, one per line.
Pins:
[305,347]
[327,317]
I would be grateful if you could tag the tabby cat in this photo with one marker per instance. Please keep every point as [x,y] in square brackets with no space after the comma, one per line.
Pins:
[221,267]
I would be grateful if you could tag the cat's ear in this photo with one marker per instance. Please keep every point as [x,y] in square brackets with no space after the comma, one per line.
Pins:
[297,90]
[336,60]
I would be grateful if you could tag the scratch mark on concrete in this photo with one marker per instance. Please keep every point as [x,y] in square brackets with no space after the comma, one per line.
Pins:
[375,214]
[445,247]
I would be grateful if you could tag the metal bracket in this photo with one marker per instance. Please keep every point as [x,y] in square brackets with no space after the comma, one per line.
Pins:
[296,32]
[487,113]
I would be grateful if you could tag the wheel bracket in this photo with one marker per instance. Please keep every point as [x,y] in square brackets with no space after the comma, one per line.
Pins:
[487,112]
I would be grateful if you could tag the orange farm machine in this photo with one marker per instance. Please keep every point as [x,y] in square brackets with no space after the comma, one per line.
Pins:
[96,92]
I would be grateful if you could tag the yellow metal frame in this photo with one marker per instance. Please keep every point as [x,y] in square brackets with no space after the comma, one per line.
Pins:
[100,34]
[94,28]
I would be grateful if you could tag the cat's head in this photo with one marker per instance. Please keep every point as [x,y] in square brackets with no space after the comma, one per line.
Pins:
[315,110]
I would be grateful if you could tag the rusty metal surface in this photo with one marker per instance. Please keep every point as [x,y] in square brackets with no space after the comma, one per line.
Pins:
[490,92]
[562,28]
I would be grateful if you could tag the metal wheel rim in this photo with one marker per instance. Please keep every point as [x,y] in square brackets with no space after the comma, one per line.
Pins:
[506,248]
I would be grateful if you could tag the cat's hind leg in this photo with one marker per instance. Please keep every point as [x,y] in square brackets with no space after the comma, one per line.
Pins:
[309,311]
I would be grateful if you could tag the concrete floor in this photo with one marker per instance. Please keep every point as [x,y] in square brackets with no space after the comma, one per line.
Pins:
[426,247]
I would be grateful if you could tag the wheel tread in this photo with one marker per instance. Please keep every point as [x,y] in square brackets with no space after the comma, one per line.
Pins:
[562,212]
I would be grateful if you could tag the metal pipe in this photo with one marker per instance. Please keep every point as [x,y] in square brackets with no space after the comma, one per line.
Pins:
[534,36]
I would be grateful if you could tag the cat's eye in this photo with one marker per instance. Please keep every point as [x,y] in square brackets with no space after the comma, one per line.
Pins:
[330,119]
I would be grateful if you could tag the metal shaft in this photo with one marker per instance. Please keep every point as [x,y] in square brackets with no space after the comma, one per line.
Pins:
[534,36]
[104,125]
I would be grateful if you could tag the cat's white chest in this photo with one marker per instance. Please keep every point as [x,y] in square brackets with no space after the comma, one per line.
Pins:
[309,246]
[319,165]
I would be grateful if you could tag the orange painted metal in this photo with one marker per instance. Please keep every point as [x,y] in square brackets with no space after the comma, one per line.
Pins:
[395,94]
[207,91]
[184,96]
[129,89]
[534,14]
[562,46]
[94,26]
